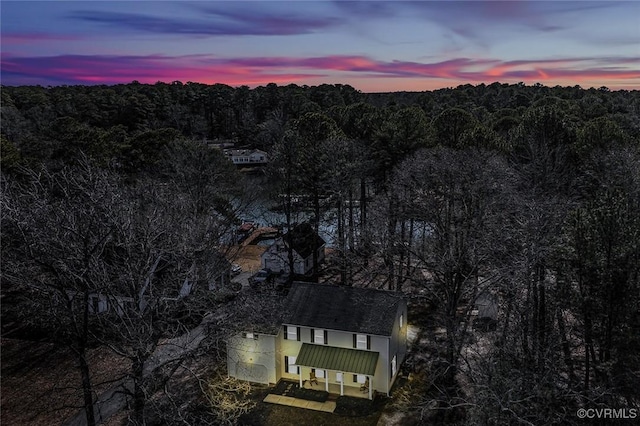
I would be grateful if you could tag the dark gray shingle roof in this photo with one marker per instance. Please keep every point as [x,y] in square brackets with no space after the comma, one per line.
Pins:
[357,310]
[303,239]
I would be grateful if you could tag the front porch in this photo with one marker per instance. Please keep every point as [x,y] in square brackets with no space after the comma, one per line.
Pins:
[335,389]
[329,368]
[287,392]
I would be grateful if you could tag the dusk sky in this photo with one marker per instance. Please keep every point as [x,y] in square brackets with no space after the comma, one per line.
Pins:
[374,46]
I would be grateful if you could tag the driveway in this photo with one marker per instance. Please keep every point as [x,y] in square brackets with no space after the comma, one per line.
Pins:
[243,278]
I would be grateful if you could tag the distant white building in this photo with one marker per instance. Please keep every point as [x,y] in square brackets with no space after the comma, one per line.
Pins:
[207,273]
[243,157]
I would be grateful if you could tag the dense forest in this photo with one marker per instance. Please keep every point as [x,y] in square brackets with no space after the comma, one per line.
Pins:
[530,194]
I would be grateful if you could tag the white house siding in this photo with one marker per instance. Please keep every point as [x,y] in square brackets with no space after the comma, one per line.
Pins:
[379,344]
[258,157]
[288,348]
[278,260]
[398,340]
[253,360]
[381,380]
[341,339]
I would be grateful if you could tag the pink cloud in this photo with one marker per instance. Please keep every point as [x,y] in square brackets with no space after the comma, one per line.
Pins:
[354,70]
[99,69]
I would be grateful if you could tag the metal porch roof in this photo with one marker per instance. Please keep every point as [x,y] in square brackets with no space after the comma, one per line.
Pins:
[338,359]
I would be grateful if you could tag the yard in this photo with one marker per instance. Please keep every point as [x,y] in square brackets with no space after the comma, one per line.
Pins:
[41,384]
[248,257]
[349,411]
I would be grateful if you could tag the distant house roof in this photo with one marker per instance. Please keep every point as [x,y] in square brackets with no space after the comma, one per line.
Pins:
[353,309]
[243,152]
[303,239]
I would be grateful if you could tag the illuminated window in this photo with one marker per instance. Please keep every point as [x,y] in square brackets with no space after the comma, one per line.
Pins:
[361,341]
[319,336]
[394,367]
[290,365]
[359,378]
[292,333]
[339,377]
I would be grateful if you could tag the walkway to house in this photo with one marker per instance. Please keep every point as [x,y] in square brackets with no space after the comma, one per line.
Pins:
[327,406]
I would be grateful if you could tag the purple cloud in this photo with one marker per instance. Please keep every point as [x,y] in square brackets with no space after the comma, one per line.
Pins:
[270,22]
[215,22]
[21,38]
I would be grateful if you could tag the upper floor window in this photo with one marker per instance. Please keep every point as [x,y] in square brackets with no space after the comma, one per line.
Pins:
[361,341]
[292,333]
[319,336]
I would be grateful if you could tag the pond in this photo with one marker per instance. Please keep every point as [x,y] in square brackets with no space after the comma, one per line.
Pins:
[263,211]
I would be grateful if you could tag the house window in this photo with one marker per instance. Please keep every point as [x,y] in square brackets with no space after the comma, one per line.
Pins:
[394,366]
[319,373]
[290,365]
[319,336]
[361,341]
[359,378]
[401,321]
[292,333]
[250,336]
[339,377]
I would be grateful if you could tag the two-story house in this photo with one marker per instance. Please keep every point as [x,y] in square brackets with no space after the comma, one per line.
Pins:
[303,241]
[339,338]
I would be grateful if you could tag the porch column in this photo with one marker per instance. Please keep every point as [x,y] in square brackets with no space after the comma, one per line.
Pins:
[326,380]
[370,386]
[342,384]
[300,375]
